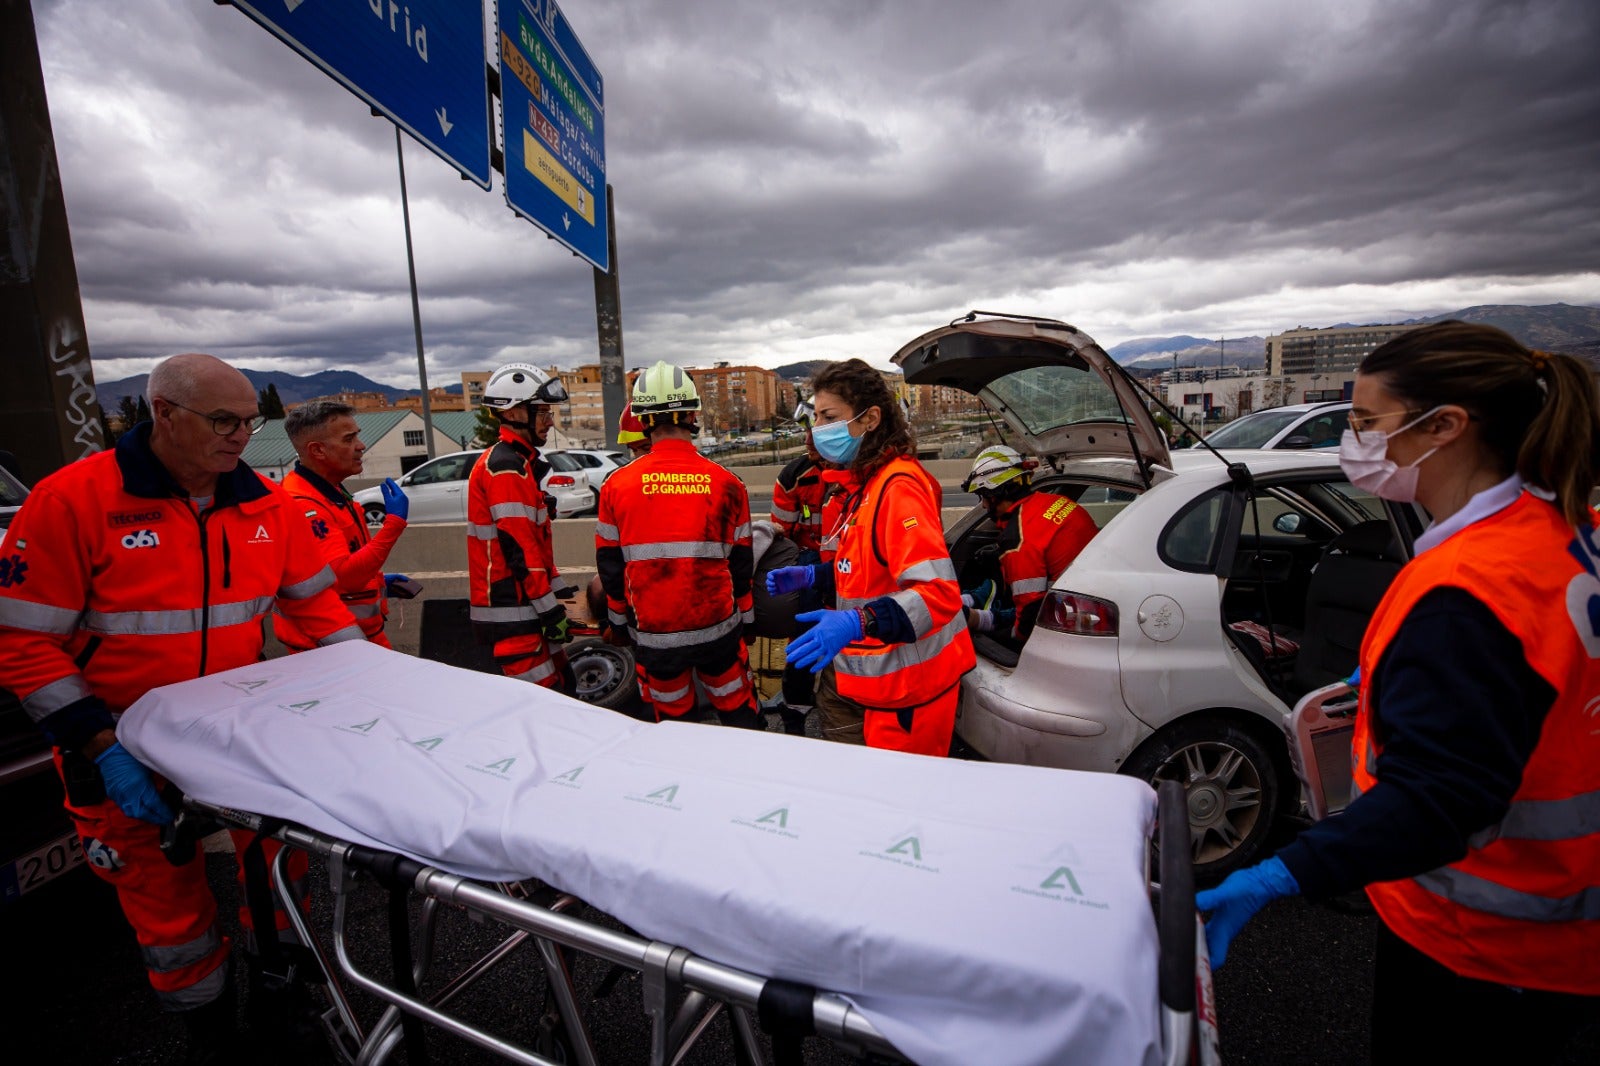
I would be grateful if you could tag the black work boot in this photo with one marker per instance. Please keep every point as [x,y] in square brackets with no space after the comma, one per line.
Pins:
[284,1018]
[745,717]
[212,1031]
[794,720]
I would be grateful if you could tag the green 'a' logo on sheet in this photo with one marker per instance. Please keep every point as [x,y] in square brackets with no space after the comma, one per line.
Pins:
[303,706]
[1055,880]
[363,727]
[779,818]
[503,766]
[666,794]
[909,846]
[247,686]
[570,775]
[428,744]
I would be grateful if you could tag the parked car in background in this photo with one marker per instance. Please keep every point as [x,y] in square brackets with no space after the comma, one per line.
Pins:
[1218,591]
[438,489]
[1300,426]
[598,464]
[12,493]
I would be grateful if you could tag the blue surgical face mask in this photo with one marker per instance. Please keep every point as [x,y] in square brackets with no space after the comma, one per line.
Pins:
[834,442]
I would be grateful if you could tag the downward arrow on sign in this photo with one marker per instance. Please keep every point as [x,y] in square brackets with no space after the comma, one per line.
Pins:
[444,124]
[566,220]
[292,4]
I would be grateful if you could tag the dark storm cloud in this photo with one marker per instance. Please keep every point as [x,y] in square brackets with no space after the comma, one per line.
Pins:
[830,178]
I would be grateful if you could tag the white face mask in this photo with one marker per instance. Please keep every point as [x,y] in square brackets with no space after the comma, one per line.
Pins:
[1365,461]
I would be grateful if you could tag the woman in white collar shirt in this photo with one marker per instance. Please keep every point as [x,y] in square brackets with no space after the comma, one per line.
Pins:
[1476,762]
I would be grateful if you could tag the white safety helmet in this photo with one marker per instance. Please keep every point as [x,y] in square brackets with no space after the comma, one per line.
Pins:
[805,413]
[665,392]
[519,383]
[998,467]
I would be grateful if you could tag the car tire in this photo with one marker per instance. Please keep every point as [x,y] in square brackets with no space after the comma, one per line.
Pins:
[375,515]
[1233,786]
[605,673]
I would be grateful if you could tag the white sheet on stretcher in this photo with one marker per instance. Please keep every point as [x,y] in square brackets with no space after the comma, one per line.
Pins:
[975,912]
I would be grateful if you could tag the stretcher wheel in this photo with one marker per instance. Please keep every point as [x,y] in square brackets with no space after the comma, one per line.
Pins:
[604,673]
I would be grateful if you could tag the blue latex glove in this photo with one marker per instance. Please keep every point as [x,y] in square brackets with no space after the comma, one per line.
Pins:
[129,785]
[816,647]
[389,579]
[786,579]
[394,498]
[1235,901]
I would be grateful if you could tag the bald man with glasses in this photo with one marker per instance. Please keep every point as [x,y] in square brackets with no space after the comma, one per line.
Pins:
[148,564]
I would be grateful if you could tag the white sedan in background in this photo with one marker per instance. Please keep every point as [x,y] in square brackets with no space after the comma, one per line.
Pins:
[437,489]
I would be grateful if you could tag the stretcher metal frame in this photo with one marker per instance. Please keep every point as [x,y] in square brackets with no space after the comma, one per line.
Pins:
[702,988]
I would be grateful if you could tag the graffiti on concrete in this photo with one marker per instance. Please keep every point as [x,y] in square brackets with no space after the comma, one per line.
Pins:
[69,358]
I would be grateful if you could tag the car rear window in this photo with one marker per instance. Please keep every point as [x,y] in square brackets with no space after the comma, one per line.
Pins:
[1045,397]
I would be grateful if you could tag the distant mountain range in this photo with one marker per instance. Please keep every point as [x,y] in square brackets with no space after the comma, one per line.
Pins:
[1569,328]
[1566,328]
[292,388]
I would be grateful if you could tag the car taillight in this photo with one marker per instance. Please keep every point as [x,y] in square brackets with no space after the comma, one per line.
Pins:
[1072,612]
[560,481]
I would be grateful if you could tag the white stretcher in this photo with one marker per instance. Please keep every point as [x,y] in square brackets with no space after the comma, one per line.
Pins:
[949,912]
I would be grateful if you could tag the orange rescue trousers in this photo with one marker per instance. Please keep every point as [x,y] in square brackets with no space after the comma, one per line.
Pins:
[932,726]
[171,908]
[729,685]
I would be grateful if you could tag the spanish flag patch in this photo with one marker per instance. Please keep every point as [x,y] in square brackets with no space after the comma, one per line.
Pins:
[910,523]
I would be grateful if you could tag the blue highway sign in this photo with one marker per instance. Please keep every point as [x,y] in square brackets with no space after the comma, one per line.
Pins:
[553,105]
[420,62]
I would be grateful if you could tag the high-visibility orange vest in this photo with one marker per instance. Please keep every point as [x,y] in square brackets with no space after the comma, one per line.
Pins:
[892,544]
[1523,907]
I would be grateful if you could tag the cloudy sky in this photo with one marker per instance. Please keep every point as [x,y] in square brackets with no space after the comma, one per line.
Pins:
[831,178]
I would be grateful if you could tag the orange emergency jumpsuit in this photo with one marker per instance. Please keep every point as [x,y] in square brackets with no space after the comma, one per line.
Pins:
[356,556]
[511,561]
[672,545]
[1038,541]
[1511,910]
[797,498]
[892,545]
[112,583]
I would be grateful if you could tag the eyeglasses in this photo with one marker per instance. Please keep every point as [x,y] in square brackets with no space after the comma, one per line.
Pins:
[1363,423]
[227,425]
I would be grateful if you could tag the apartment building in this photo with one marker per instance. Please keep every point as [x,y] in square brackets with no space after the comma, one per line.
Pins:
[1335,350]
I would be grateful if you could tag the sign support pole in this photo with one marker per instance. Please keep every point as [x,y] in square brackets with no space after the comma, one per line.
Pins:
[416,308]
[608,325]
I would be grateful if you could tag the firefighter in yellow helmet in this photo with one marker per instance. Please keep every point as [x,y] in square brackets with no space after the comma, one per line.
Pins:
[672,544]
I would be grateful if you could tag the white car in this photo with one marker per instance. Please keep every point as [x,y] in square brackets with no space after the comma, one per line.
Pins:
[1298,426]
[598,464]
[437,490]
[1143,659]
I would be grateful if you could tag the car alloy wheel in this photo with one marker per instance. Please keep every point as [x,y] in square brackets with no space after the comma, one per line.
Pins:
[1231,788]
[375,515]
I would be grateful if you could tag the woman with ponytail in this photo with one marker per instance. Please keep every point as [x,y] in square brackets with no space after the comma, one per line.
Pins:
[892,656]
[1475,826]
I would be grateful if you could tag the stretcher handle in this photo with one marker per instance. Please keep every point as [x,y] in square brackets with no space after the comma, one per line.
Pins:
[1175,922]
[390,870]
